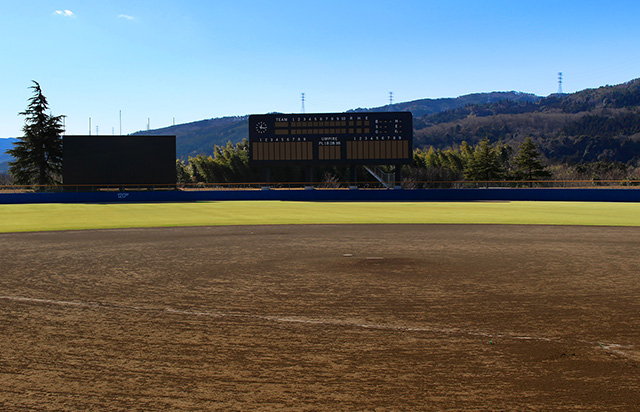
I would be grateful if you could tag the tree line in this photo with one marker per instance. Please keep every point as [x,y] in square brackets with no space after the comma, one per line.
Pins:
[482,162]
[589,126]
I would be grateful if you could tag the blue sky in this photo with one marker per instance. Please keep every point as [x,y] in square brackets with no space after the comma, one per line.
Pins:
[192,60]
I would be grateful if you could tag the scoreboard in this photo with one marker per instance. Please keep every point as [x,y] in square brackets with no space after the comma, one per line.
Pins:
[331,138]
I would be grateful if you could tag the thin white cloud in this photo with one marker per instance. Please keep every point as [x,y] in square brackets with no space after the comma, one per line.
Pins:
[65,13]
[126,17]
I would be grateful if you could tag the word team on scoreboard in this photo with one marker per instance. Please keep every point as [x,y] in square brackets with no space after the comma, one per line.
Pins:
[331,138]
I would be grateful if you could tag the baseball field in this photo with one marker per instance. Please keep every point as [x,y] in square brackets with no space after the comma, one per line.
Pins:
[283,306]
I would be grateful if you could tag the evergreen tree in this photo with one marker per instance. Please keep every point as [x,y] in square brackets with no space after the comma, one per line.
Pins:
[418,159]
[528,166]
[38,154]
[454,160]
[431,158]
[182,172]
[506,153]
[485,164]
[466,151]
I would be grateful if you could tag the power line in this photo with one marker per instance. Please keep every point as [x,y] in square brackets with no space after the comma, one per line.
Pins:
[559,82]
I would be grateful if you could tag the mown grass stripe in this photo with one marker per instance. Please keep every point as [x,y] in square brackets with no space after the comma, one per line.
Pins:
[50,217]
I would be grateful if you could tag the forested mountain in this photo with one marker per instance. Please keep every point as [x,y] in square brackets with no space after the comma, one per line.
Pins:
[200,137]
[587,126]
[424,107]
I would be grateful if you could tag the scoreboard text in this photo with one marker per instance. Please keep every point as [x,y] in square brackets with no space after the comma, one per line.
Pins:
[329,138]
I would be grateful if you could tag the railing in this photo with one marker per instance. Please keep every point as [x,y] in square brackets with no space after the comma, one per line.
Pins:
[505,184]
[460,184]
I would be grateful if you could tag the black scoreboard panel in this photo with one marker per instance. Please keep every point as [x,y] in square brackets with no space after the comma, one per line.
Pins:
[114,160]
[330,138]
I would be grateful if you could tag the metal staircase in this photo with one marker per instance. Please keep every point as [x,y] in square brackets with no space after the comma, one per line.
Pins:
[386,179]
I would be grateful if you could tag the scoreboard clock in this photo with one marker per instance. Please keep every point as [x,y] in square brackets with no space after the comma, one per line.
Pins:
[331,138]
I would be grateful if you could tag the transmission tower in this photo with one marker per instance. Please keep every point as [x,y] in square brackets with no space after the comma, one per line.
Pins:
[390,98]
[559,82]
[302,100]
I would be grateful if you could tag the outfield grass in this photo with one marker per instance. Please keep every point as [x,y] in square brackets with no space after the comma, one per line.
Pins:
[48,217]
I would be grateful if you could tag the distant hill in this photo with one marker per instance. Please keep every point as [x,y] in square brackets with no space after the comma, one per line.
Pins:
[200,137]
[5,144]
[587,126]
[424,107]
[590,125]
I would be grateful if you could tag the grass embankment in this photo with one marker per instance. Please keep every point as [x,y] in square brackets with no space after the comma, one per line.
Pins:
[48,217]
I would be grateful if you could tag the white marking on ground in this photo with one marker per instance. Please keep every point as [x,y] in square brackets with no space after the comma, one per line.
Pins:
[627,351]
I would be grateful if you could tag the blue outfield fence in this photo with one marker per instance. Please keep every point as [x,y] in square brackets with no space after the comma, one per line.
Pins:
[330,195]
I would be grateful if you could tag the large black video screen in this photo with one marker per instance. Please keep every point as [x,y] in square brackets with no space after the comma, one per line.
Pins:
[119,160]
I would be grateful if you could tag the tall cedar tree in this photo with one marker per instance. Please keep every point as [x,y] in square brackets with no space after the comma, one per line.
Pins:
[38,154]
[528,166]
[485,163]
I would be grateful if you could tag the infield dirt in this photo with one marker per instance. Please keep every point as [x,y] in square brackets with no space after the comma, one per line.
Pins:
[309,318]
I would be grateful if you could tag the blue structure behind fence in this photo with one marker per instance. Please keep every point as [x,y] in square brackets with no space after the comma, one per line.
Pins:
[330,195]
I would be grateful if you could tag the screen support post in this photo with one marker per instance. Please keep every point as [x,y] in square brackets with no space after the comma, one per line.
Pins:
[398,177]
[308,173]
[266,178]
[353,179]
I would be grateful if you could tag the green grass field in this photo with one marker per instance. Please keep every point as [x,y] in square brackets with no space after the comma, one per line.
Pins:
[48,217]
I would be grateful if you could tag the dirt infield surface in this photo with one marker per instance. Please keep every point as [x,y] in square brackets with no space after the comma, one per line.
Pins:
[321,318]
